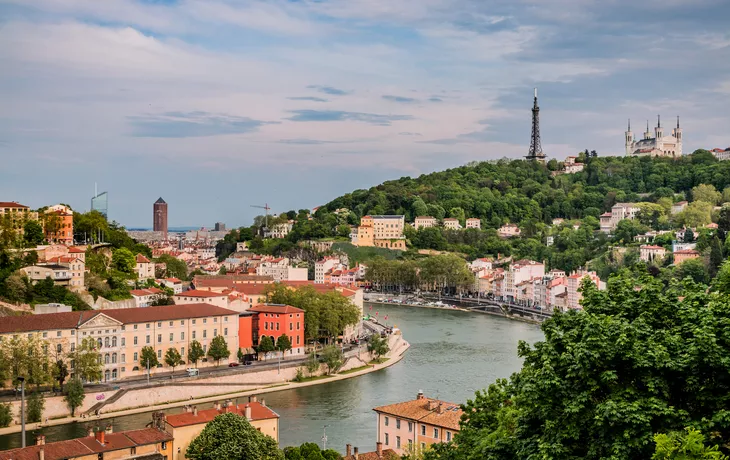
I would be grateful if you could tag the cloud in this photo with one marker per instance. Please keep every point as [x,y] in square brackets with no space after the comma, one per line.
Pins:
[329,90]
[191,124]
[401,99]
[339,115]
[307,98]
[435,99]
[406,133]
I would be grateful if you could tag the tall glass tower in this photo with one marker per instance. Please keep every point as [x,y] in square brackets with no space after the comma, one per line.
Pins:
[100,203]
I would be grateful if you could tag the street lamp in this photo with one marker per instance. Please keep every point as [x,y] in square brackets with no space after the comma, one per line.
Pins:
[22,410]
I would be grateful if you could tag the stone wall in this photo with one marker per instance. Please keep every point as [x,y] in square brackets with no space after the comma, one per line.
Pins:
[103,304]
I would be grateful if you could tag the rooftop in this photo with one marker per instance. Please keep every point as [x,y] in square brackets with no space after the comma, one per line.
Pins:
[142,259]
[275,308]
[12,204]
[258,412]
[199,293]
[426,410]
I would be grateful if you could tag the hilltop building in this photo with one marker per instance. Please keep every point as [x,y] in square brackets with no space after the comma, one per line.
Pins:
[424,222]
[60,224]
[18,214]
[382,232]
[657,146]
[720,154]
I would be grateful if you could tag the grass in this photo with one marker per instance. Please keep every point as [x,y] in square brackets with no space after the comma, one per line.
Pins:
[378,361]
[313,378]
[356,369]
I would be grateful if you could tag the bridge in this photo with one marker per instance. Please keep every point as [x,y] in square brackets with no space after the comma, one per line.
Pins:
[494,306]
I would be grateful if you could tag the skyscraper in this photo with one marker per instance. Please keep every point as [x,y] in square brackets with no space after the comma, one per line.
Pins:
[159,216]
[100,202]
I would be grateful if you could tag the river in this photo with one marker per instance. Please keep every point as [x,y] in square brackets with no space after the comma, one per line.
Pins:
[452,354]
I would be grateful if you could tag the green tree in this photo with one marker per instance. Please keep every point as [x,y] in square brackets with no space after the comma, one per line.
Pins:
[231,436]
[219,349]
[283,344]
[17,287]
[266,346]
[28,357]
[33,233]
[240,355]
[378,346]
[123,260]
[74,395]
[333,358]
[686,445]
[693,269]
[696,214]
[312,364]
[86,361]
[175,268]
[36,404]
[60,373]
[721,283]
[173,358]
[717,255]
[6,415]
[706,193]
[148,358]
[196,352]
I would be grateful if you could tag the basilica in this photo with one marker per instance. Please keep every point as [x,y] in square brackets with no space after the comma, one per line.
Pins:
[657,146]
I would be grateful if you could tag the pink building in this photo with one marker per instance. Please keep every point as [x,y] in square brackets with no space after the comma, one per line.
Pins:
[509,230]
[574,282]
[519,272]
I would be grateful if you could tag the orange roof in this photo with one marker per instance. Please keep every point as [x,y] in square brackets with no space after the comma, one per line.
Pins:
[88,445]
[651,246]
[12,204]
[142,259]
[199,293]
[687,251]
[143,292]
[73,250]
[418,410]
[388,454]
[258,412]
[274,308]
[173,280]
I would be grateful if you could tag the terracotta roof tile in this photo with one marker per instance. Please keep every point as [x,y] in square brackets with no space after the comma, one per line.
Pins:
[258,412]
[418,410]
[142,259]
[279,309]
[388,454]
[199,293]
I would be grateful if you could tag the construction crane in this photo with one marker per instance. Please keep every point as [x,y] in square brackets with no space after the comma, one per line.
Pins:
[267,208]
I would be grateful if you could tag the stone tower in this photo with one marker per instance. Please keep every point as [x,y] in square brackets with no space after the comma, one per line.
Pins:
[629,140]
[159,217]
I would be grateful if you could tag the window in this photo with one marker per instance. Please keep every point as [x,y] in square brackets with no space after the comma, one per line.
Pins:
[114,341]
[297,340]
[124,341]
[159,353]
[423,430]
[182,322]
[159,324]
[73,332]
[266,325]
[58,334]
[147,340]
[386,421]
[386,439]
[59,348]
[410,443]
[171,334]
[182,336]
[135,327]
[410,427]
[436,433]
[98,341]
[170,323]
[106,358]
[397,442]
[297,324]
[423,445]
[225,319]
[73,347]
[148,325]
[215,320]
[182,351]
[135,340]
[291,326]
[135,356]
[193,335]
[159,338]
[397,423]
[114,358]
[205,333]
[277,326]
[205,320]
[215,332]
[225,331]
[124,358]
[448,436]
[193,321]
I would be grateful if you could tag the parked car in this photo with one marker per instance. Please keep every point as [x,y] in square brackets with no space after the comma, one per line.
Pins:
[233,364]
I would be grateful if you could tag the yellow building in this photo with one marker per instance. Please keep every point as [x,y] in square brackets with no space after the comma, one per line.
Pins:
[147,444]
[382,232]
[17,214]
[121,334]
[185,427]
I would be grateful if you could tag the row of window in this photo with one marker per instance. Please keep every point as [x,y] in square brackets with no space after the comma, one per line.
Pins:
[410,429]
[270,326]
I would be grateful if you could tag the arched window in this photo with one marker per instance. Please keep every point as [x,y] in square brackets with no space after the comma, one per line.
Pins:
[99,342]
[114,358]
[114,374]
[114,341]
[106,358]
[106,341]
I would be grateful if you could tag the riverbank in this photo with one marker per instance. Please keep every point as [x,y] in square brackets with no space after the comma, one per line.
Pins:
[399,347]
[436,307]
[455,308]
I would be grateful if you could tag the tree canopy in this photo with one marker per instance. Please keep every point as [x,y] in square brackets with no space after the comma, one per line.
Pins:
[231,436]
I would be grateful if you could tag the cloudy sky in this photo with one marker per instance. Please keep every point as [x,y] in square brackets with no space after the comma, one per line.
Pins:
[219,104]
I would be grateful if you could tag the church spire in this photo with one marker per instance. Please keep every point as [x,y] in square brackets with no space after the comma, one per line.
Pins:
[658,121]
[629,124]
[677,121]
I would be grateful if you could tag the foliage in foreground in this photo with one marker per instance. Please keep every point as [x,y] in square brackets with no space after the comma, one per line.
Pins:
[310,451]
[231,436]
[640,360]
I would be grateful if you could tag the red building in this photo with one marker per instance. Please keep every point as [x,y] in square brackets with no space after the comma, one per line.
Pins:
[159,216]
[272,321]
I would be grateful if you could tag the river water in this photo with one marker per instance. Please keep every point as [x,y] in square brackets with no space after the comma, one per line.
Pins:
[452,355]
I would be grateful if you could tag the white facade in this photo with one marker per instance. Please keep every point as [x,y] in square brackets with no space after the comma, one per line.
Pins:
[452,224]
[424,222]
[323,266]
[473,223]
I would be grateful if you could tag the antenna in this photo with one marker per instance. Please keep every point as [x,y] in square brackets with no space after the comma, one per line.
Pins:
[535,93]
[267,208]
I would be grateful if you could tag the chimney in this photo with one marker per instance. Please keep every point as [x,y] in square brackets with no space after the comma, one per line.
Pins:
[420,394]
[217,405]
[432,404]
[91,431]
[263,402]
[247,412]
[355,454]
[252,398]
[195,411]
[101,437]
[40,440]
[379,449]
[109,429]
[348,450]
[41,454]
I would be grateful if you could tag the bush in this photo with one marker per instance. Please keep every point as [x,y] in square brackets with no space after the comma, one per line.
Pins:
[6,415]
[300,375]
[36,405]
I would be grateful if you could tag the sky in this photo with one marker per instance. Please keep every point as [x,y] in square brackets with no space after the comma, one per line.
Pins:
[217,105]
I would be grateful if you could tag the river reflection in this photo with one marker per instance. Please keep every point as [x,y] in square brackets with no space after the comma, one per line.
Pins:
[452,355]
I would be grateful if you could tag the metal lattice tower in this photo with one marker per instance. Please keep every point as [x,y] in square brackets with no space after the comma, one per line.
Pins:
[535,153]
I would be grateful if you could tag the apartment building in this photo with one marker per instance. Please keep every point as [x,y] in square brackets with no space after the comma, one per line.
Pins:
[509,231]
[573,284]
[452,224]
[382,232]
[17,214]
[145,297]
[420,423]
[144,268]
[144,444]
[679,207]
[519,272]
[61,274]
[651,253]
[60,224]
[619,212]
[281,230]
[683,255]
[187,426]
[76,268]
[121,334]
[323,266]
[424,222]
[280,269]
[272,320]
[172,283]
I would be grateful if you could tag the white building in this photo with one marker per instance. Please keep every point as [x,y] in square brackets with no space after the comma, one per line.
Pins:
[679,207]
[657,146]
[721,155]
[452,224]
[280,270]
[281,230]
[144,268]
[519,272]
[574,282]
[172,283]
[650,253]
[509,230]
[473,223]
[323,266]
[424,222]
[144,297]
